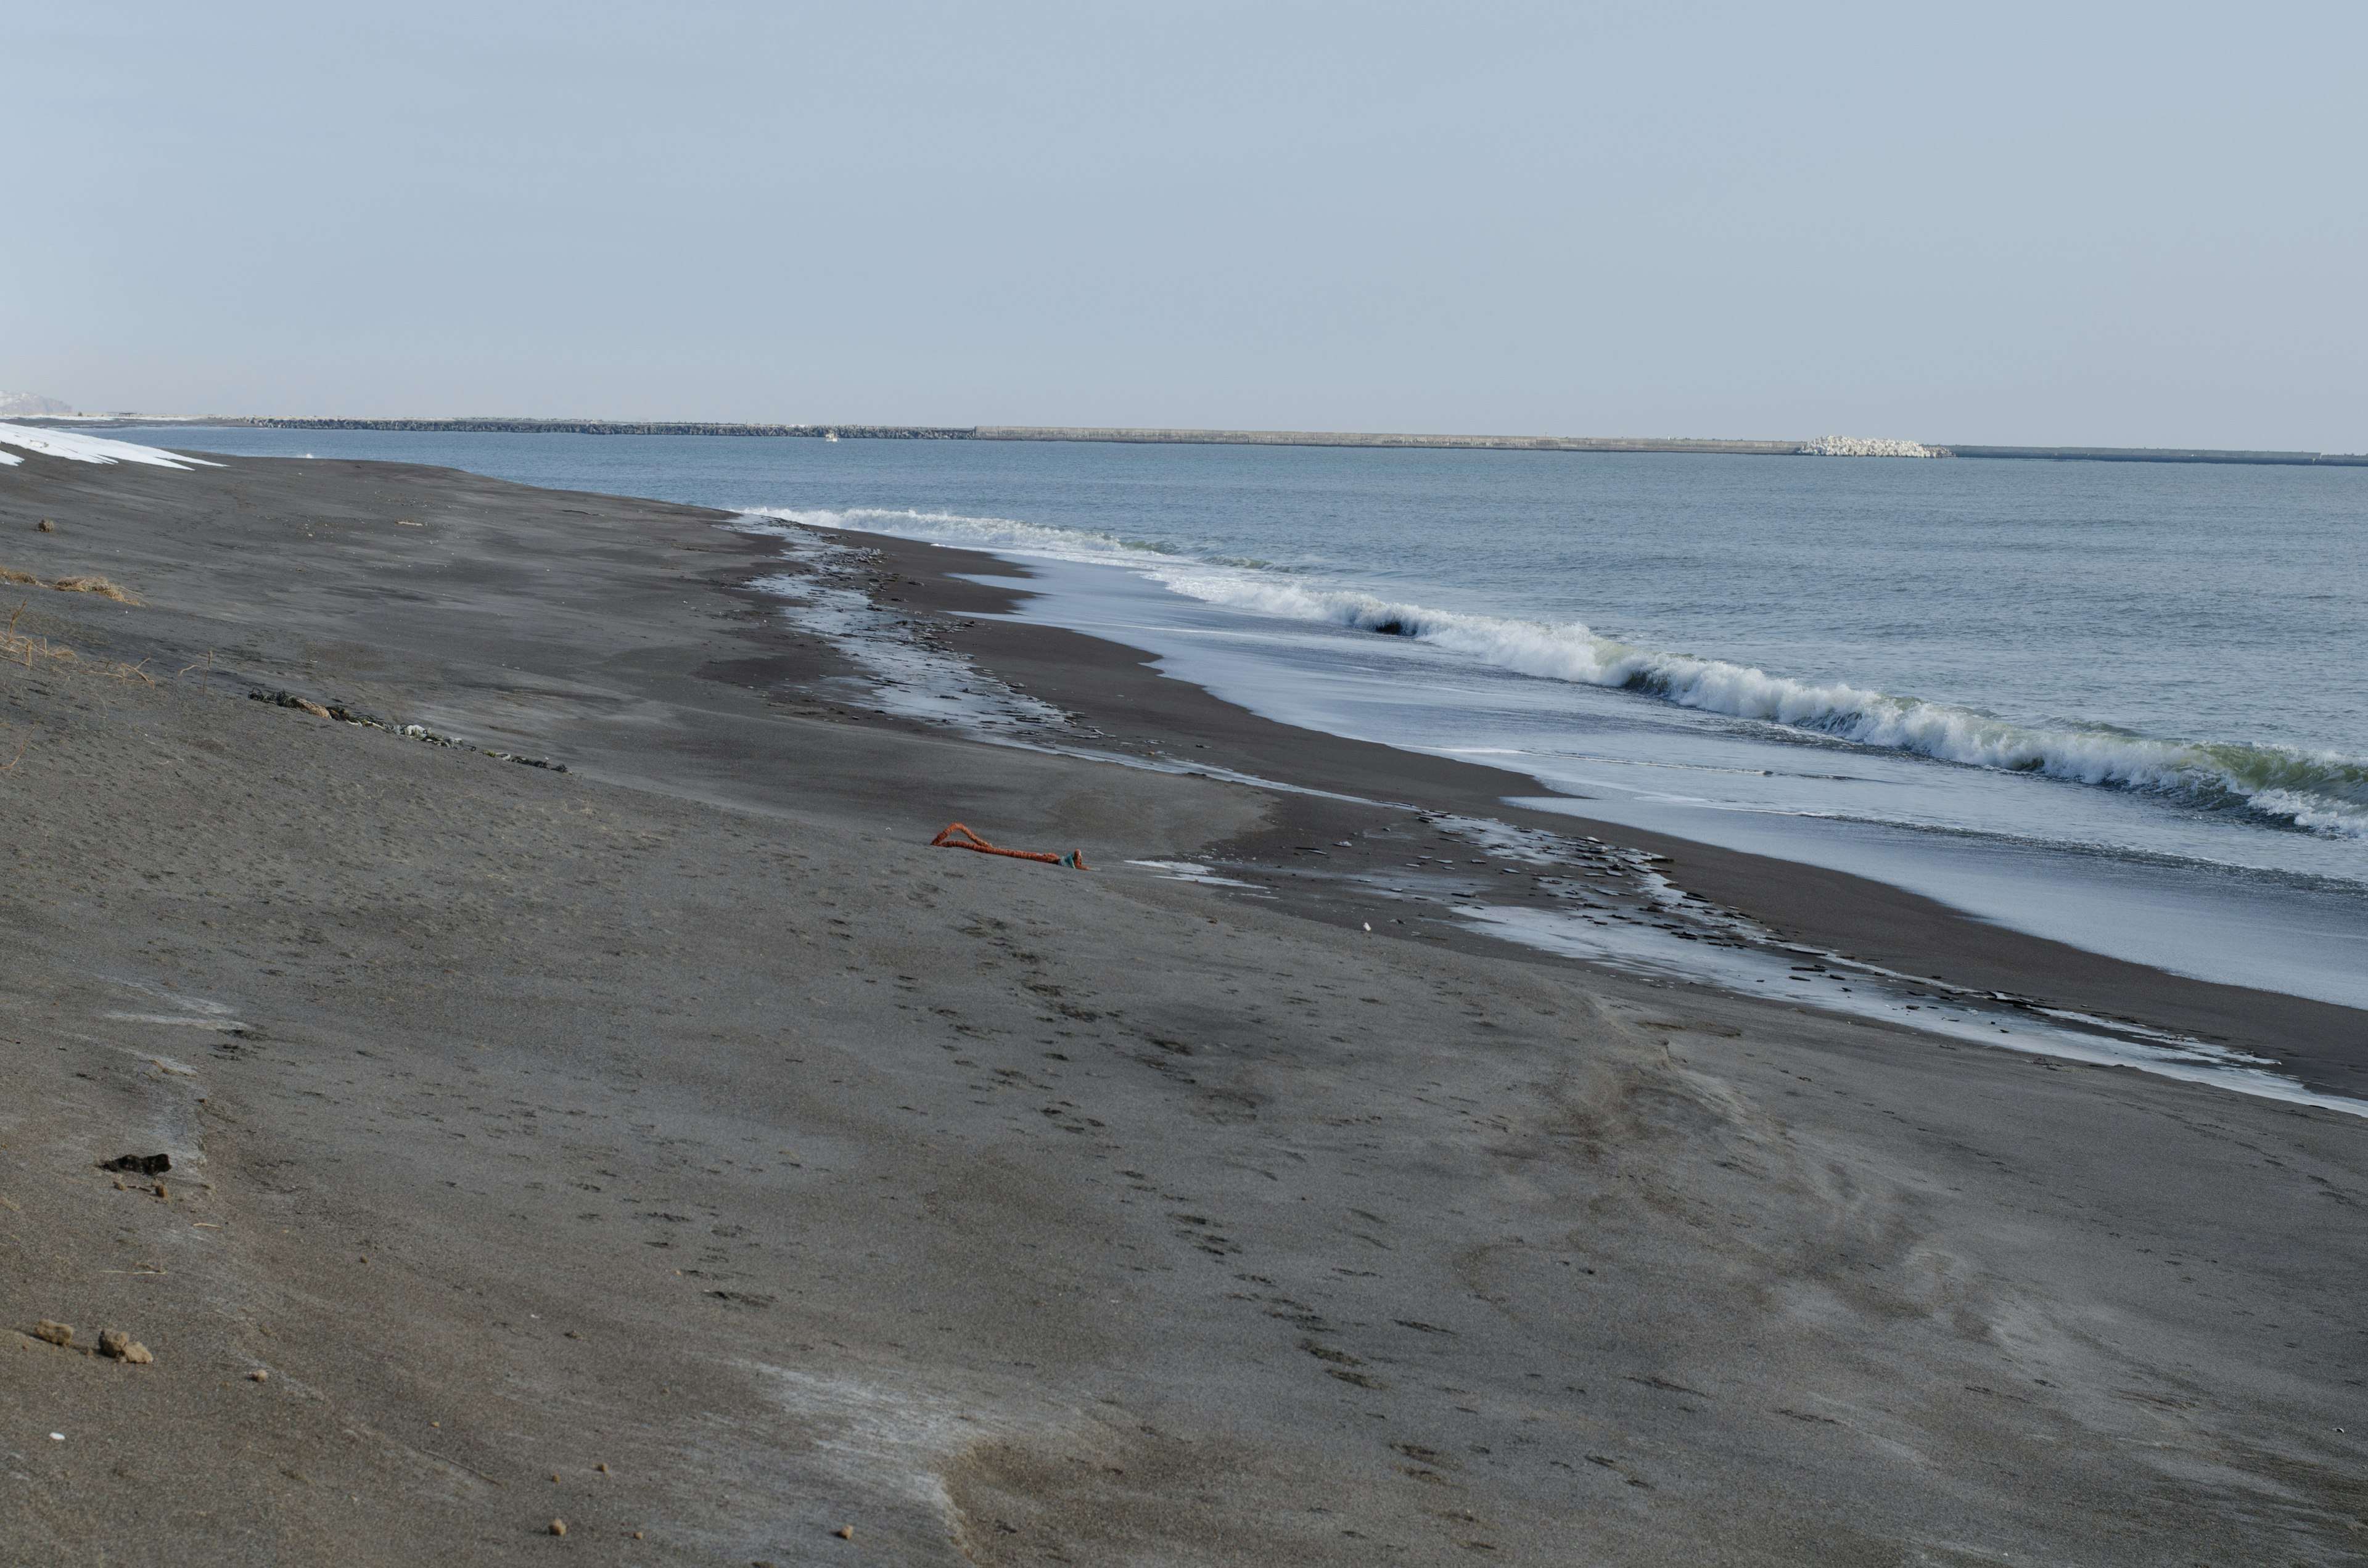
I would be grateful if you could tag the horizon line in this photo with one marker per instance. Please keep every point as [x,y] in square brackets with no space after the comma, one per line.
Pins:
[1158,436]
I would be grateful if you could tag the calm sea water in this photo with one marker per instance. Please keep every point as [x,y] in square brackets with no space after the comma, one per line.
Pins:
[2122,705]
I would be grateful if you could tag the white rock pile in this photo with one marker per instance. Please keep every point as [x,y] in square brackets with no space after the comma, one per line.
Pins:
[1866,447]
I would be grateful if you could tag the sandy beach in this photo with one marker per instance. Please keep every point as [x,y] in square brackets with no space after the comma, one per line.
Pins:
[668,1144]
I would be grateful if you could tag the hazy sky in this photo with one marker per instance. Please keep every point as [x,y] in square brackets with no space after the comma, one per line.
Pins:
[2127,225]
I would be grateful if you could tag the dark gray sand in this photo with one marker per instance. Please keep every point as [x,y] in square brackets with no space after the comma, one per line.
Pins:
[677,1147]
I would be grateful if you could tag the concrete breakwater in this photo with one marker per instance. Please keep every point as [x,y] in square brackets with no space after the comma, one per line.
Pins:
[588,428]
[1354,438]
[2165,455]
[1828,446]
[1018,433]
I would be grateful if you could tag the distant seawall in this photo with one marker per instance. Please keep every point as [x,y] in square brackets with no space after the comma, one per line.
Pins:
[1228,439]
[1353,439]
[1018,433]
[2164,455]
[590,428]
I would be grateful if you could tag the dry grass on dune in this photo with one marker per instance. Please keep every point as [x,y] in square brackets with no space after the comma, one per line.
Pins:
[23,648]
[93,584]
[17,648]
[83,583]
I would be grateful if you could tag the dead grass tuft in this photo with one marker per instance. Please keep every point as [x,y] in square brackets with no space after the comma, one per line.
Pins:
[10,574]
[91,584]
[20,648]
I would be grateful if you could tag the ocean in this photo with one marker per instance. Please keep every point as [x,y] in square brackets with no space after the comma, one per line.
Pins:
[2124,706]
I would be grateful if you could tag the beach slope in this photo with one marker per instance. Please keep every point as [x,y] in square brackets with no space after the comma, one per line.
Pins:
[679,1149]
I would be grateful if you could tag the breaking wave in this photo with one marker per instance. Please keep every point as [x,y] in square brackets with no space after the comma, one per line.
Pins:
[2315,792]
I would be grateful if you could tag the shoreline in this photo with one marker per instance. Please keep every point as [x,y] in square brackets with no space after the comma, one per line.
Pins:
[680,1150]
[2323,1043]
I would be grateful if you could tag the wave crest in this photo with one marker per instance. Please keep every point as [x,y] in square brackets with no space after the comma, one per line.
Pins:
[2318,792]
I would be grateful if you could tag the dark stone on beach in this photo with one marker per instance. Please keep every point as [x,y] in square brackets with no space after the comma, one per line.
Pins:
[527,761]
[138,1164]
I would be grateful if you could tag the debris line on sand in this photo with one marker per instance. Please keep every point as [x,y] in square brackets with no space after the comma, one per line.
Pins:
[345,715]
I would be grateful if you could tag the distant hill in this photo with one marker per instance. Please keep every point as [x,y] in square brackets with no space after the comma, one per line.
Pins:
[18,404]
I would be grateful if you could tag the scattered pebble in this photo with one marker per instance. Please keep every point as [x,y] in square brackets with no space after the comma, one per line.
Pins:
[259,1376]
[844,1532]
[50,528]
[138,1164]
[559,1527]
[604,1469]
[56,1332]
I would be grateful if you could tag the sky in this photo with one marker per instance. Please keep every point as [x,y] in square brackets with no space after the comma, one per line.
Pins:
[2059,224]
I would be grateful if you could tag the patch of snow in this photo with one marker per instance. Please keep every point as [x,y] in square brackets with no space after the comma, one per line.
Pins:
[75,447]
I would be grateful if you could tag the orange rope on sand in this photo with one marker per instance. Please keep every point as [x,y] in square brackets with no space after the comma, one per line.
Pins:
[1074,860]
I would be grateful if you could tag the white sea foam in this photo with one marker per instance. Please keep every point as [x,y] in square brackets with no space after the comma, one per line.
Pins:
[1770,969]
[76,447]
[2320,792]
[904,676]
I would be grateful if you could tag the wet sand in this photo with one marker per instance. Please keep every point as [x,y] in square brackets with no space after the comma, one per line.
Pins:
[685,1114]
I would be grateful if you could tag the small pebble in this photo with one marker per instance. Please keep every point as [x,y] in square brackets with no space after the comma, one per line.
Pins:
[559,1527]
[259,1375]
[844,1532]
[48,527]
[54,1331]
[604,1469]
